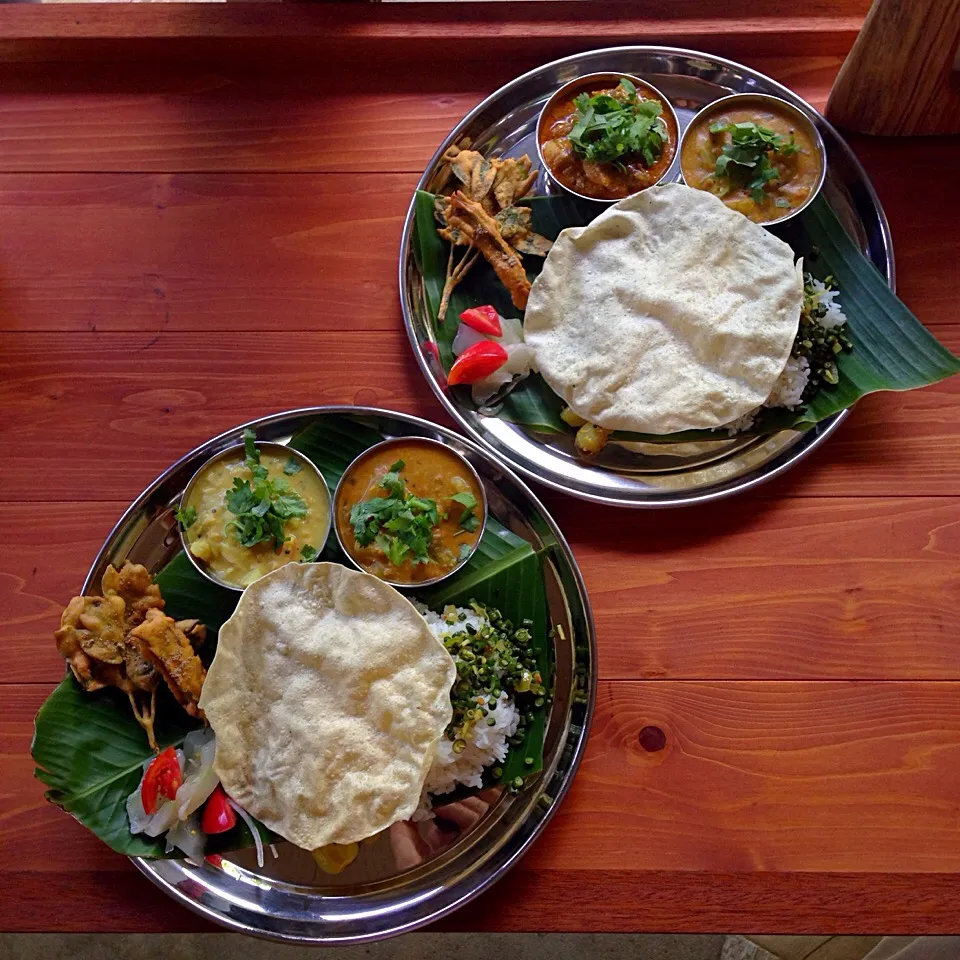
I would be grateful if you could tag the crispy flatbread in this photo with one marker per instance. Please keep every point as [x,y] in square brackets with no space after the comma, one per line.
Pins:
[668,312]
[328,694]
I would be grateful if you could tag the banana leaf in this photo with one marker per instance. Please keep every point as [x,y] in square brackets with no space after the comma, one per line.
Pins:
[89,752]
[532,403]
[89,749]
[892,349]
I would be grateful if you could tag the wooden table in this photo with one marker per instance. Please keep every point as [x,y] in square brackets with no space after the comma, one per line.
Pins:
[200,209]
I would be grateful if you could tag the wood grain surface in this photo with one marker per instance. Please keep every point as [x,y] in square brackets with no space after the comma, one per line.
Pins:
[199,224]
[904,45]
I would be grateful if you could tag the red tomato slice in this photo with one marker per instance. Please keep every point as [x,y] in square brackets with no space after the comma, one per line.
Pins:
[483,319]
[218,815]
[477,362]
[162,779]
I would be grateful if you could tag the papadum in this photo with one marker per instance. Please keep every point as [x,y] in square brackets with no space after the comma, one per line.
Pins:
[328,695]
[668,312]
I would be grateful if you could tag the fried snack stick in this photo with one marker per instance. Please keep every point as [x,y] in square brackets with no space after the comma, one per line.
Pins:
[166,647]
[483,232]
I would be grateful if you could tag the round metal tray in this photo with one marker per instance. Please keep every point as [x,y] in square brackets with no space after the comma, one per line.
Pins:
[505,125]
[289,898]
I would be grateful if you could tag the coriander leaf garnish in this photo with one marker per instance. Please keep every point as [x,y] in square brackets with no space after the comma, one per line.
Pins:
[469,521]
[465,499]
[292,466]
[289,505]
[746,158]
[186,518]
[308,553]
[623,124]
[260,507]
[400,525]
[465,549]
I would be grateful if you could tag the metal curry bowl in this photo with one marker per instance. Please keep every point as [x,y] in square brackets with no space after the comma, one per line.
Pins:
[801,119]
[232,451]
[592,82]
[386,444]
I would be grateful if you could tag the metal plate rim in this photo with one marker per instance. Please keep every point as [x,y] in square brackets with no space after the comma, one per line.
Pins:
[504,858]
[788,458]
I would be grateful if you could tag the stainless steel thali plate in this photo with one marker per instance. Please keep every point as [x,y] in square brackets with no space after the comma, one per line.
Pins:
[505,125]
[289,898]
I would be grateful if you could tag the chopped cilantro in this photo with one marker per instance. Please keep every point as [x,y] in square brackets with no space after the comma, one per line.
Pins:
[465,499]
[611,127]
[400,524]
[469,521]
[186,518]
[260,507]
[308,553]
[746,158]
[292,466]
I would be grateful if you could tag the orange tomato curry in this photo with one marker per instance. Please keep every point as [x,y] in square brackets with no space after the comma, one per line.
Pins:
[799,172]
[430,472]
[602,181]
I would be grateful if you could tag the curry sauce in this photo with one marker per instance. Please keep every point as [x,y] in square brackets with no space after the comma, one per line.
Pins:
[393,527]
[798,168]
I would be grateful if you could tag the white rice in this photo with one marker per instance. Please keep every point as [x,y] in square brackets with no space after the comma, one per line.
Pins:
[486,744]
[791,383]
[835,317]
[787,392]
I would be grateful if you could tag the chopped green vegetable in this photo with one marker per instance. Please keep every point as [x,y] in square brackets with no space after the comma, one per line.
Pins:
[400,524]
[469,521]
[818,343]
[492,658]
[262,507]
[464,551]
[186,518]
[292,466]
[618,125]
[746,158]
[465,499]
[308,553]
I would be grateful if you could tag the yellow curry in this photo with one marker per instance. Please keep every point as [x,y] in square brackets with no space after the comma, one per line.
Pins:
[410,511]
[757,156]
[220,532]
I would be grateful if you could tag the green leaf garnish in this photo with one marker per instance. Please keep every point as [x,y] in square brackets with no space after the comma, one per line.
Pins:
[186,518]
[262,507]
[464,551]
[746,158]
[250,445]
[469,521]
[308,553]
[611,127]
[465,499]
[292,466]
[400,524]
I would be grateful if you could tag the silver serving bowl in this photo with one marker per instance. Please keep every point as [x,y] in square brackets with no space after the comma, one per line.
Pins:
[590,83]
[232,451]
[468,468]
[760,100]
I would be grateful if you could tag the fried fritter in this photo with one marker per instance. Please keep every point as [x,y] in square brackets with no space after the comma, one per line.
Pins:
[494,226]
[96,637]
[93,626]
[473,221]
[166,646]
[134,585]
